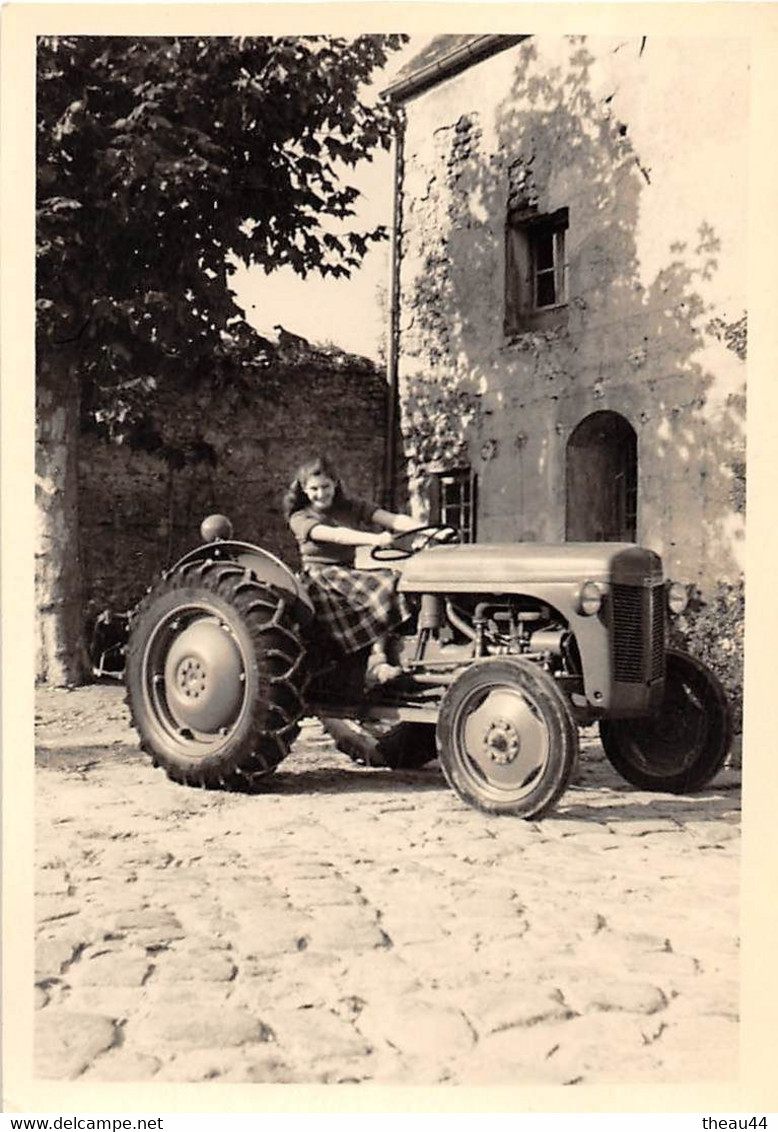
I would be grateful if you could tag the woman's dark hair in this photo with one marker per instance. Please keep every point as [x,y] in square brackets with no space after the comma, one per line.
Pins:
[296,499]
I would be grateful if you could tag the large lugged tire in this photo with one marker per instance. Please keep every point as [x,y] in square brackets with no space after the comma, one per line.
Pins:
[508,742]
[680,748]
[215,672]
[401,746]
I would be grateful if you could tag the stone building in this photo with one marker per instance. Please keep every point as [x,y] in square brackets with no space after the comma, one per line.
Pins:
[568,338]
[230,447]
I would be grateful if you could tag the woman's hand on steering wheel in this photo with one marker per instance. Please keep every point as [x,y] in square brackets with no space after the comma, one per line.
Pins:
[408,543]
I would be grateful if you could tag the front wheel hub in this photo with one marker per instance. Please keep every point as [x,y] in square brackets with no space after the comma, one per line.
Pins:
[504,736]
[204,678]
[502,742]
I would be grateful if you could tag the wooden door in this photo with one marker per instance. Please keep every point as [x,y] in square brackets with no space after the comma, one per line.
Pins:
[601,480]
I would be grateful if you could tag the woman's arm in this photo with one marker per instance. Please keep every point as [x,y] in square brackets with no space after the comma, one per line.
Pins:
[394,522]
[347,536]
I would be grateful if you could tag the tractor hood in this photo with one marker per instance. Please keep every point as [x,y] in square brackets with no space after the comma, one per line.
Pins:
[504,566]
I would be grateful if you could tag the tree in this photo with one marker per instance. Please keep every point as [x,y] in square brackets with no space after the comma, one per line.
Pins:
[160,161]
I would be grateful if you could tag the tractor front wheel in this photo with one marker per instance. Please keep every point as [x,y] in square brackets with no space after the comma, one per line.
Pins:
[682,746]
[215,675]
[508,742]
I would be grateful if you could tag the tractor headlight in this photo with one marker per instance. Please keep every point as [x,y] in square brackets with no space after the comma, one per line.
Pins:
[677,597]
[589,599]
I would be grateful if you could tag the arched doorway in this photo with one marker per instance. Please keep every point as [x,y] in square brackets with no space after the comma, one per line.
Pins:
[602,480]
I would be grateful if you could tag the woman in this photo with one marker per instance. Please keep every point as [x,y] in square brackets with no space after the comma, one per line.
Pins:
[358,608]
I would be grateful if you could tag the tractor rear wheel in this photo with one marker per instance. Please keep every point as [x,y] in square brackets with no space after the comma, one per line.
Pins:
[215,673]
[399,746]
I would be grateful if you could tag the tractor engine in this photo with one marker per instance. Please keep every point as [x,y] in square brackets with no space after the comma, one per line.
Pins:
[455,630]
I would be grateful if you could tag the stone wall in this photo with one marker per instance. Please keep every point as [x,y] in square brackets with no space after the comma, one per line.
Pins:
[232,450]
[644,142]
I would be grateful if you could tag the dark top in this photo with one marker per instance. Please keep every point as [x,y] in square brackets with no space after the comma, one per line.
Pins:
[354,513]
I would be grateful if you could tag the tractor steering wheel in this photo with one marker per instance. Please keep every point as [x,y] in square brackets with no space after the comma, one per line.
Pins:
[408,543]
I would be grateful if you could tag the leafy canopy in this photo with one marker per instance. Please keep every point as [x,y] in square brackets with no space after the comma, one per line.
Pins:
[160,159]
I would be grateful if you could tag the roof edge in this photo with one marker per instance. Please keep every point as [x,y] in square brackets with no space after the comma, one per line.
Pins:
[451,64]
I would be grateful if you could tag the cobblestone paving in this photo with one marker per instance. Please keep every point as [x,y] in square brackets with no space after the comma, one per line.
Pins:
[355,925]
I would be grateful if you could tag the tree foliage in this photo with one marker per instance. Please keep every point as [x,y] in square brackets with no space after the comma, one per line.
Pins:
[162,159]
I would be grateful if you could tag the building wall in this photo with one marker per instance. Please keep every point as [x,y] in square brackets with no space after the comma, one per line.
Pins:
[645,143]
[224,451]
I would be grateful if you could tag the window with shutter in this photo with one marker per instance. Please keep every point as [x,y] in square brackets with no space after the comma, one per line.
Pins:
[536,270]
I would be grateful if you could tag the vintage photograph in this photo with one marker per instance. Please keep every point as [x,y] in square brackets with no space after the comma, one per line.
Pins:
[390,470]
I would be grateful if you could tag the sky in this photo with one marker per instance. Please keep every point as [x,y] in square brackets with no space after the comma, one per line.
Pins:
[342,312]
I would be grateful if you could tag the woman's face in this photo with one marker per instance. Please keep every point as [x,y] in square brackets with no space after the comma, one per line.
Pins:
[320,489]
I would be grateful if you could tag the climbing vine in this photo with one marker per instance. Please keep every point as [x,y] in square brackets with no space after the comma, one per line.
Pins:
[436,415]
[734,335]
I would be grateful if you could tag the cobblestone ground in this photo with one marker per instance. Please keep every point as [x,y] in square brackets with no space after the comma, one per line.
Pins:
[356,925]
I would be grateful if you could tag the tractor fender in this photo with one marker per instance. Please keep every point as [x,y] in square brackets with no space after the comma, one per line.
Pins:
[264,565]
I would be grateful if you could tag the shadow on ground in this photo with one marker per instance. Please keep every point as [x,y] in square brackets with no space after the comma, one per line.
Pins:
[583,801]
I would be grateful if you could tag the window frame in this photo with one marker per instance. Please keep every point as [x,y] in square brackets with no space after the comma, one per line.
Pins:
[465,478]
[523,230]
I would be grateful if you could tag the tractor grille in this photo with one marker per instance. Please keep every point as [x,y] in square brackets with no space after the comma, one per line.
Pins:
[657,599]
[638,633]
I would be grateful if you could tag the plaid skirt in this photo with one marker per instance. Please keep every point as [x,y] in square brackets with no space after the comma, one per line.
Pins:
[355,608]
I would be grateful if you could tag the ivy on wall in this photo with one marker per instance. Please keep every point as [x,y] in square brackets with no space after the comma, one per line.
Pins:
[437,414]
[734,334]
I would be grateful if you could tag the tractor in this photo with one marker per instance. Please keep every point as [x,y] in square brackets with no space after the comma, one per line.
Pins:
[512,648]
